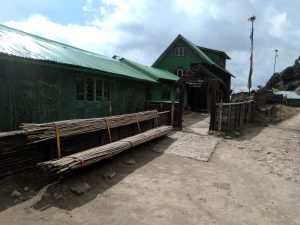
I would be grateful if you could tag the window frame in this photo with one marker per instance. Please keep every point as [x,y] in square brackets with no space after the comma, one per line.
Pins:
[85,89]
[93,89]
[163,89]
[83,80]
[180,72]
[180,51]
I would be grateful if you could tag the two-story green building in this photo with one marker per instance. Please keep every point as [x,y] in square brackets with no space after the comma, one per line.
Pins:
[207,77]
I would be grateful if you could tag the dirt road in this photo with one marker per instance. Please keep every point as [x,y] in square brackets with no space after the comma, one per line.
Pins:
[254,179]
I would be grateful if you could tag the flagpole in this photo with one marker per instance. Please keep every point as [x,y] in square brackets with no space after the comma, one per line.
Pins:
[252,18]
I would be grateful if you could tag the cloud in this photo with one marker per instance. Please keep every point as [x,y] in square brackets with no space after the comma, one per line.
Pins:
[87,37]
[141,30]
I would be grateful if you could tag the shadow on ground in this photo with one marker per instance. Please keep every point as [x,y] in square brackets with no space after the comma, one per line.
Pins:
[56,191]
[196,119]
[60,195]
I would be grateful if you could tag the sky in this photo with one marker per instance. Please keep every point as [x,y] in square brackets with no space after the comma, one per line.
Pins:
[141,30]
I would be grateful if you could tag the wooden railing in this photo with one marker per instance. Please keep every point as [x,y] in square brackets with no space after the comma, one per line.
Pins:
[231,116]
[175,115]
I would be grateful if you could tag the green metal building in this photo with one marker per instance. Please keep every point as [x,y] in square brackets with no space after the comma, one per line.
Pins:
[183,57]
[43,80]
[164,89]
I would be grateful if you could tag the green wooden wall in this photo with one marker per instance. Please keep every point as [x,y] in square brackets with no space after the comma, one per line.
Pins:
[32,93]
[171,62]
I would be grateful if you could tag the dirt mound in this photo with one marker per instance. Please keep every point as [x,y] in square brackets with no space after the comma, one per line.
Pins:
[274,114]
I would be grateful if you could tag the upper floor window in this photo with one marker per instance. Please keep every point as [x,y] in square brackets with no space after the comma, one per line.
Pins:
[180,51]
[180,72]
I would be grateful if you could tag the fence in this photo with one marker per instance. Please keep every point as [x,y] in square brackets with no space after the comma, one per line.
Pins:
[17,157]
[175,115]
[231,116]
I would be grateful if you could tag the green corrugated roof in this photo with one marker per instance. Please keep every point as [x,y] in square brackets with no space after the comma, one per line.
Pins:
[27,46]
[197,50]
[154,73]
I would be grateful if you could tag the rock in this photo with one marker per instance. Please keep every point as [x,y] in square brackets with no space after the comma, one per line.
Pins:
[228,137]
[26,189]
[15,194]
[109,175]
[57,196]
[237,133]
[80,188]
[131,162]
[46,195]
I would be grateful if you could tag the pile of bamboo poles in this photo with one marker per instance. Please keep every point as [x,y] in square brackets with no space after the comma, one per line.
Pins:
[97,154]
[17,156]
[68,128]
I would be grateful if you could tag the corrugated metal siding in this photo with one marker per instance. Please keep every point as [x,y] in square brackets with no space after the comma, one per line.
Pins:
[43,94]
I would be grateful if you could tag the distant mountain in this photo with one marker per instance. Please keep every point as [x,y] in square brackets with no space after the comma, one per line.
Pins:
[286,80]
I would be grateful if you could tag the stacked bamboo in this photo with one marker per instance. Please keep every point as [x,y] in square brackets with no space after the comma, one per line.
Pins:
[97,154]
[16,156]
[69,128]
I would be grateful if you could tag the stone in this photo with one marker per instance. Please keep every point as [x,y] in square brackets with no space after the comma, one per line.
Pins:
[109,175]
[57,196]
[15,194]
[26,189]
[131,162]
[80,188]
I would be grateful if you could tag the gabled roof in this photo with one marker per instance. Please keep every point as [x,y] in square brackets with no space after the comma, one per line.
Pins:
[27,46]
[196,49]
[214,50]
[153,73]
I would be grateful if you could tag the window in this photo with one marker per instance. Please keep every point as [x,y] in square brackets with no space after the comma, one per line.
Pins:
[180,72]
[90,90]
[180,51]
[149,92]
[99,89]
[106,91]
[79,87]
[166,89]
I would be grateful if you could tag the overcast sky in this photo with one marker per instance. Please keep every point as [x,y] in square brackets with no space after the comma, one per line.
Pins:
[140,30]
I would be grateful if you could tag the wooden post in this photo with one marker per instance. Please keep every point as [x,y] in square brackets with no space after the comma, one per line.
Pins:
[229,118]
[181,99]
[57,135]
[220,116]
[172,113]
[108,129]
[138,123]
[110,108]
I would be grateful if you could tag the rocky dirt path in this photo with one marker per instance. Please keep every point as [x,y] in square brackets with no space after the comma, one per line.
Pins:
[250,180]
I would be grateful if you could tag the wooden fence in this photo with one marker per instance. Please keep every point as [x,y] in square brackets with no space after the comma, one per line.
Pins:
[231,116]
[17,157]
[175,115]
